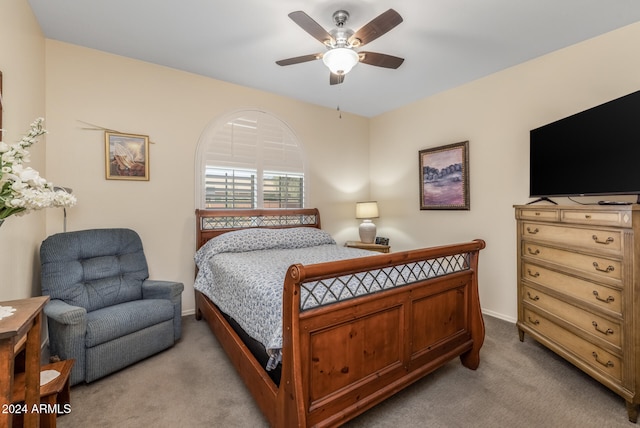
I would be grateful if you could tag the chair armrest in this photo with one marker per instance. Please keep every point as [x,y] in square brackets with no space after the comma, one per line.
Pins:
[65,313]
[67,325]
[155,289]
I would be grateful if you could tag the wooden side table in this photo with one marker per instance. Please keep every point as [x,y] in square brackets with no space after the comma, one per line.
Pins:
[372,247]
[18,330]
[55,396]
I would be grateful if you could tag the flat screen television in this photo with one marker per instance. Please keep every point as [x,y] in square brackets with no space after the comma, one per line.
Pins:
[592,153]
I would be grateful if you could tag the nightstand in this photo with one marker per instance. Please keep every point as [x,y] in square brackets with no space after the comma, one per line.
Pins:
[371,247]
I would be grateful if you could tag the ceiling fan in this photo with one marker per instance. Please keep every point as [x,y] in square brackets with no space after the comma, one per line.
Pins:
[341,42]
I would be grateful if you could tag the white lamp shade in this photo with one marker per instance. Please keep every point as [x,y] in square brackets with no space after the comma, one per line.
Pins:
[367,209]
[340,60]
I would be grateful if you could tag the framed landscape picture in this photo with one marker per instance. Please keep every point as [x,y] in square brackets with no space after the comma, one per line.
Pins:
[444,177]
[127,156]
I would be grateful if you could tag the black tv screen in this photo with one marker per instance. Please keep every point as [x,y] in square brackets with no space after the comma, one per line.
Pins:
[594,152]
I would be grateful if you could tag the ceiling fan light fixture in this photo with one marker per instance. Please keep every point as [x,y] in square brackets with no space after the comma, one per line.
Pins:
[340,60]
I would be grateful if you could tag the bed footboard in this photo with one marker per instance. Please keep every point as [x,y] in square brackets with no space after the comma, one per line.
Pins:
[342,358]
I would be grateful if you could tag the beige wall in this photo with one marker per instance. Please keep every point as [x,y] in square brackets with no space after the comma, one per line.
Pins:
[173,108]
[495,115]
[22,65]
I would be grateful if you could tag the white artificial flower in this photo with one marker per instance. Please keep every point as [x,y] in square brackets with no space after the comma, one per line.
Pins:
[23,189]
[29,176]
[8,157]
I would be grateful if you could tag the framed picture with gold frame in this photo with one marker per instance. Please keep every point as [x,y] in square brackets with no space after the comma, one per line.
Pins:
[127,156]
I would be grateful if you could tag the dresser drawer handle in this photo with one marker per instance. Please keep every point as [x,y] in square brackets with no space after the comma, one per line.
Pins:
[607,364]
[607,242]
[533,274]
[607,300]
[605,332]
[532,252]
[533,232]
[599,269]
[534,298]
[587,216]
[534,322]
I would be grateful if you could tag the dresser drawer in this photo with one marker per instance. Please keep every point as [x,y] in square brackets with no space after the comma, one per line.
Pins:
[589,239]
[620,218]
[539,214]
[591,292]
[593,324]
[594,265]
[594,356]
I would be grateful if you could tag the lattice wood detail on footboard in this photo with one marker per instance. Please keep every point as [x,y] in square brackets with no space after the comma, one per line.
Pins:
[329,290]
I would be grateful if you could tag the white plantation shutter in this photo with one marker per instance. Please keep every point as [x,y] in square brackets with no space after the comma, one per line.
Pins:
[250,159]
[280,150]
[229,188]
[282,190]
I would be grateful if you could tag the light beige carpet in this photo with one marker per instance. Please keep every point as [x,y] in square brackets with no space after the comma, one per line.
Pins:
[194,385]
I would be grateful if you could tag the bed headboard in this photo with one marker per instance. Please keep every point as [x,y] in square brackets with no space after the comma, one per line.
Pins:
[211,223]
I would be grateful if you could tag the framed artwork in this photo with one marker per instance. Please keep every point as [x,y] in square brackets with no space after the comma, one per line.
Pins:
[444,177]
[127,156]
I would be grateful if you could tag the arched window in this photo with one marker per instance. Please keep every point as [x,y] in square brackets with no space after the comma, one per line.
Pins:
[249,159]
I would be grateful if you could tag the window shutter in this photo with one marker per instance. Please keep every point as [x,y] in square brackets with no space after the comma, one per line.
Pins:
[252,160]
[283,190]
[229,188]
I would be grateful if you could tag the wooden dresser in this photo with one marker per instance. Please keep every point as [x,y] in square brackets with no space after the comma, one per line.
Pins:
[579,289]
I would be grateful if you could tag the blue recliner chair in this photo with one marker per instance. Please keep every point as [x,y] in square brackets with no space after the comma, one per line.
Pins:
[104,311]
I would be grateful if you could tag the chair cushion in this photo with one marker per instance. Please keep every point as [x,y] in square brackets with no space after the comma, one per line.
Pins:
[93,268]
[104,325]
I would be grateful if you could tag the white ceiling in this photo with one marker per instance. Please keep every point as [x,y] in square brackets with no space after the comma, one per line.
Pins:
[445,43]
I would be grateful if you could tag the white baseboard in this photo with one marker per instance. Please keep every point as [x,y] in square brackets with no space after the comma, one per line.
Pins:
[499,316]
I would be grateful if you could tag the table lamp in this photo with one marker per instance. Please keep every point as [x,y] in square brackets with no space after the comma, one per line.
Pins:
[366,211]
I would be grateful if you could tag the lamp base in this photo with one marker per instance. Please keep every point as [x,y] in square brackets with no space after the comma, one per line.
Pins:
[367,231]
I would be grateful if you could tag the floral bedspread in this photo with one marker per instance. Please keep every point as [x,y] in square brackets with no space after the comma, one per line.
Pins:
[243,272]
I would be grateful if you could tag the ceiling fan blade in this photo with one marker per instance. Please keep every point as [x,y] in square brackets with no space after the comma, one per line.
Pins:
[335,79]
[299,59]
[376,28]
[310,26]
[380,60]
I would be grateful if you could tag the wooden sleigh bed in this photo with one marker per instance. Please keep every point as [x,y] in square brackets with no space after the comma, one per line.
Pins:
[341,358]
